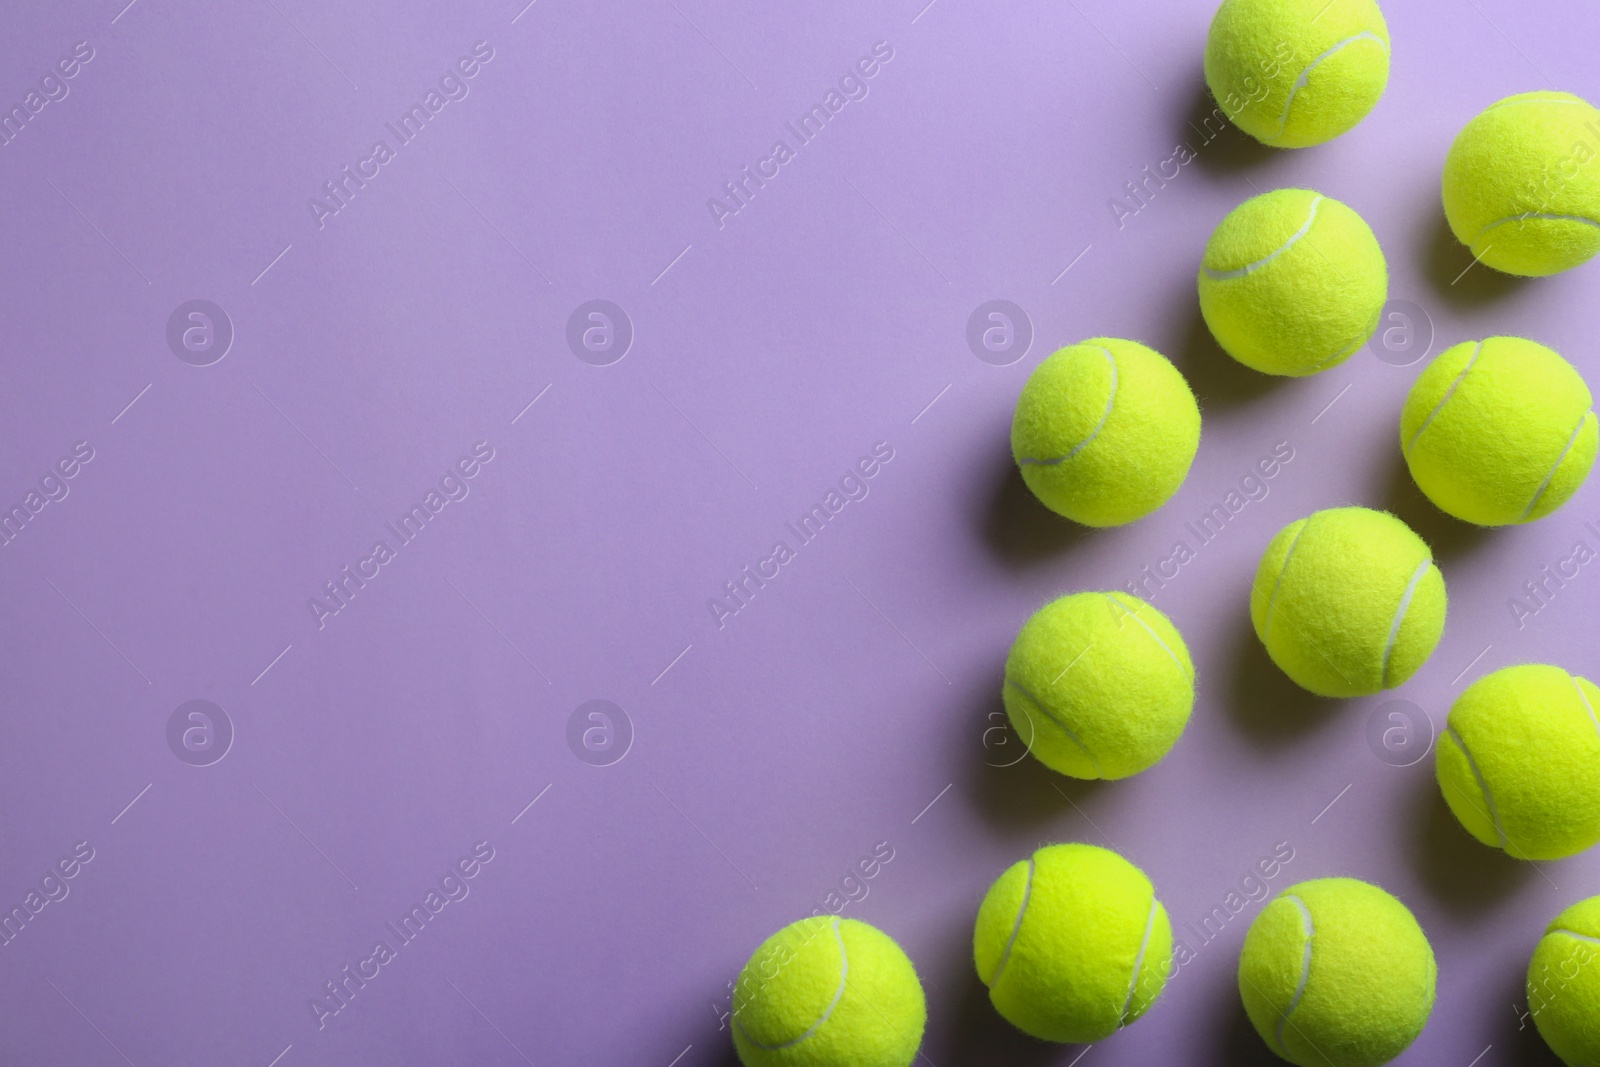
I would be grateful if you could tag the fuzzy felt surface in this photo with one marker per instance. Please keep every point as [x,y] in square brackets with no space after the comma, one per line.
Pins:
[1522,184]
[1292,282]
[1099,685]
[1499,431]
[1072,943]
[1336,972]
[1104,431]
[1519,763]
[1293,73]
[828,992]
[1330,604]
[1564,984]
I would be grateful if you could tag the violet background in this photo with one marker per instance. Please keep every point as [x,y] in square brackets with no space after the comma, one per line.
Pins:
[770,354]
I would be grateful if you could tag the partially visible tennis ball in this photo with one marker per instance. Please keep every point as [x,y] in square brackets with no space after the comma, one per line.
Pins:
[828,992]
[1522,184]
[1099,685]
[1499,431]
[1293,73]
[1336,972]
[1072,943]
[1292,282]
[1519,761]
[1564,984]
[1105,431]
[1348,602]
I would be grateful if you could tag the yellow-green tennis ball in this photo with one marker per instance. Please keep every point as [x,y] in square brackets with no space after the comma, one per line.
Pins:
[1519,761]
[1104,431]
[1499,431]
[1336,972]
[1292,282]
[1522,184]
[828,992]
[1072,943]
[1348,602]
[1099,685]
[1564,984]
[1293,73]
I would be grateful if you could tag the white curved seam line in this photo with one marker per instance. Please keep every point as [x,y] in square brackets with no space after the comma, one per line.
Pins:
[1305,970]
[1443,400]
[1138,961]
[1586,705]
[1549,216]
[1157,637]
[1053,717]
[1574,933]
[844,970]
[1305,75]
[1016,927]
[1400,616]
[1251,268]
[1081,445]
[1548,478]
[1277,583]
[1483,786]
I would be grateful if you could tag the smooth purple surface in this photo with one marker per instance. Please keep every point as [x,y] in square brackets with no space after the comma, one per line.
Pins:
[770,354]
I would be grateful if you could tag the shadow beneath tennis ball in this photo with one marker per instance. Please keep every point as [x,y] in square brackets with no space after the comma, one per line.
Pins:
[1238,1044]
[975,1033]
[1447,536]
[1463,874]
[1518,1035]
[1018,529]
[1266,704]
[1219,145]
[1218,380]
[1449,266]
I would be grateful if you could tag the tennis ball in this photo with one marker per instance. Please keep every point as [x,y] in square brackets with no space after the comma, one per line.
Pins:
[1292,282]
[1519,761]
[1104,431]
[1348,602]
[1499,431]
[1564,984]
[828,992]
[1293,73]
[1522,184]
[1336,972]
[1099,685]
[1072,943]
